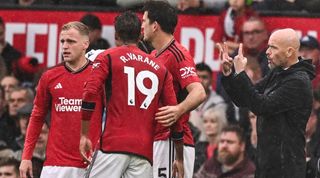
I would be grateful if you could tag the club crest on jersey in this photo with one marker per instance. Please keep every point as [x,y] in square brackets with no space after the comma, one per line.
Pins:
[95,65]
[187,72]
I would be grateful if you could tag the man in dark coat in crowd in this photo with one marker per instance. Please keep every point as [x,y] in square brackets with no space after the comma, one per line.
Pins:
[282,101]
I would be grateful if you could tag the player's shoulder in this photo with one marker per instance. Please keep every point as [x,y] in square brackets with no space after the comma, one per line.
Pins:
[55,69]
[179,53]
[114,51]
[108,51]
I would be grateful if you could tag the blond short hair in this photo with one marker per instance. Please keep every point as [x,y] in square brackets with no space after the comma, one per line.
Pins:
[82,28]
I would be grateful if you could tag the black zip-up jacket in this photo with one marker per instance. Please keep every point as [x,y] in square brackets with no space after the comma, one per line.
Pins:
[282,101]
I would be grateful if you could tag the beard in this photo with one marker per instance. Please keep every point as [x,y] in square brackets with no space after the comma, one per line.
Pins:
[225,157]
[271,66]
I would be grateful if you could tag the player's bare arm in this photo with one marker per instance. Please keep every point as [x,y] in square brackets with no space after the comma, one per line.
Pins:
[85,146]
[178,169]
[168,115]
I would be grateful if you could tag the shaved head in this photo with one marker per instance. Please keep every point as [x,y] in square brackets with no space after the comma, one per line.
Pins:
[283,48]
[287,38]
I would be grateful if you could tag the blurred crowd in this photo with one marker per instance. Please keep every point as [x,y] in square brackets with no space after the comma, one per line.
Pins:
[225,135]
[308,6]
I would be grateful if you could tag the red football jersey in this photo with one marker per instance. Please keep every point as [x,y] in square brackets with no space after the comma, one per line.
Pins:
[135,84]
[180,64]
[60,92]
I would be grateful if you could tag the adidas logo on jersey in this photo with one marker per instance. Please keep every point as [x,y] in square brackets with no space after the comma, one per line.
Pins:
[58,86]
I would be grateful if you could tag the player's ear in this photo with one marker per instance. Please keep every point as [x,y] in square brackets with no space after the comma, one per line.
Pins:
[86,44]
[116,36]
[156,26]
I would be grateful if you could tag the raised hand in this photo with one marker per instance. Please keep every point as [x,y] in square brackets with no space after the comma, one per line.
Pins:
[225,59]
[240,61]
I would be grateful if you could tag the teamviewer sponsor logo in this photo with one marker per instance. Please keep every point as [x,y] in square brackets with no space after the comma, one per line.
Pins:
[187,72]
[68,105]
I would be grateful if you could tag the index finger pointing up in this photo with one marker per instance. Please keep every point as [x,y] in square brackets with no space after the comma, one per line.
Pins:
[240,51]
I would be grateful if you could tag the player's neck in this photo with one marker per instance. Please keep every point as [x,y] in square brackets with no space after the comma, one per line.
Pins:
[78,64]
[122,43]
[162,41]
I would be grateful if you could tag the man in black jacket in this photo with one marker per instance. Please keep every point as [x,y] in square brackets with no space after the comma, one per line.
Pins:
[282,101]
[9,54]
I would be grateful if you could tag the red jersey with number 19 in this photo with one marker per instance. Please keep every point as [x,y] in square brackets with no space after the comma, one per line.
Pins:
[135,84]
[181,65]
[60,92]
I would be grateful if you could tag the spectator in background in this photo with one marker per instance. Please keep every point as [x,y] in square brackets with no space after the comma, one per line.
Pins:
[2,102]
[231,160]
[18,98]
[253,70]
[39,153]
[95,30]
[40,148]
[278,5]
[5,151]
[25,69]
[15,64]
[214,120]
[23,117]
[310,49]
[7,2]
[311,6]
[106,3]
[253,123]
[230,23]
[212,99]
[8,52]
[26,2]
[132,4]
[3,68]
[8,83]
[9,168]
[255,42]
[3,118]
[252,137]
[215,5]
